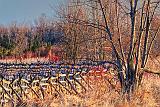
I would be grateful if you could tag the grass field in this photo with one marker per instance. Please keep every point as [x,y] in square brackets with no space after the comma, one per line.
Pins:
[102,95]
[99,93]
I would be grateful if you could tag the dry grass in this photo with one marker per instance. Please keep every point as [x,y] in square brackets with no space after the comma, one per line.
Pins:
[102,95]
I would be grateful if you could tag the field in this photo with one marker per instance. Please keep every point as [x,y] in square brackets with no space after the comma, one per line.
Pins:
[104,96]
[95,88]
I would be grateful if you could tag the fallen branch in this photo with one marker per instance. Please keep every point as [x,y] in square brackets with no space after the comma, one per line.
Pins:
[147,70]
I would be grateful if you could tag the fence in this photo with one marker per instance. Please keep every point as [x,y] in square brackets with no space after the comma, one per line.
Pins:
[19,82]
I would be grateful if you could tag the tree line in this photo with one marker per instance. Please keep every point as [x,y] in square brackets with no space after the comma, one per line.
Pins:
[17,39]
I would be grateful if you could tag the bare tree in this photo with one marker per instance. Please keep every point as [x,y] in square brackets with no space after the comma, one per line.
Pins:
[127,27]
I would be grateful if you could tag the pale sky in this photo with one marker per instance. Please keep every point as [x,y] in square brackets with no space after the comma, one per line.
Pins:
[23,11]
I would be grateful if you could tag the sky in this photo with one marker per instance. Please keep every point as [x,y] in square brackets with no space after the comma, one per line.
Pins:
[26,11]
